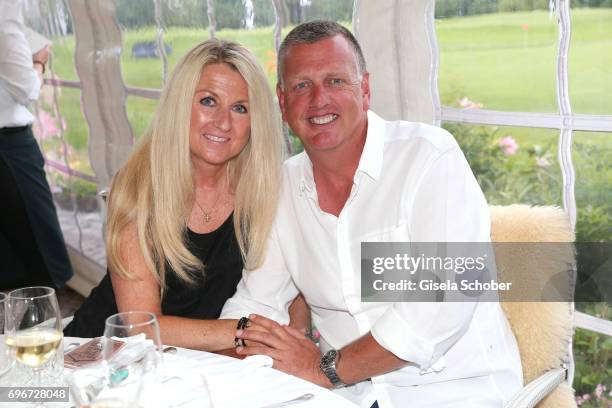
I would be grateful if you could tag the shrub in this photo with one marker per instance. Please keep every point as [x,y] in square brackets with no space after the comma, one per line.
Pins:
[509,173]
[592,356]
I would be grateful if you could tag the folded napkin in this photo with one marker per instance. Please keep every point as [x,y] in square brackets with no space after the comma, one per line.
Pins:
[251,382]
[191,383]
[135,348]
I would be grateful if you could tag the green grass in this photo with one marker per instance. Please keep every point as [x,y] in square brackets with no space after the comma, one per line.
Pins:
[494,60]
[147,72]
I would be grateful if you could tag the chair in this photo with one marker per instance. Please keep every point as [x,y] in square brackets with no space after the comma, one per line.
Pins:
[543,330]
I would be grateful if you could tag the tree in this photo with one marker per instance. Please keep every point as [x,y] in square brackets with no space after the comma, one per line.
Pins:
[264,13]
[135,13]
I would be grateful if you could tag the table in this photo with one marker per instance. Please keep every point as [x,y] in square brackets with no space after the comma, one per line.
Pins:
[231,383]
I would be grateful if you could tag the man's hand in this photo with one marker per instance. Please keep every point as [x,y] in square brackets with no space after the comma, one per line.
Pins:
[39,61]
[291,350]
[42,55]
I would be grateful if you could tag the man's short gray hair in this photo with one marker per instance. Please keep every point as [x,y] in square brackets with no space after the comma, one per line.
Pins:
[312,32]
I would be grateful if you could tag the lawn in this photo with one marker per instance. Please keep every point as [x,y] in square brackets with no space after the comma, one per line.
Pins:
[508,61]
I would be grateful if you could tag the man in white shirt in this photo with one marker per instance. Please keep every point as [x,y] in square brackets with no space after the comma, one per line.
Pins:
[32,249]
[365,179]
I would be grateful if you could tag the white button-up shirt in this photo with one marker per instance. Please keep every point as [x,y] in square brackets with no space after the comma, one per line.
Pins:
[19,83]
[412,184]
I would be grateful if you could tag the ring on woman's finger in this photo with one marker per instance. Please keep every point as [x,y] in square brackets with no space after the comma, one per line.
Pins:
[242,324]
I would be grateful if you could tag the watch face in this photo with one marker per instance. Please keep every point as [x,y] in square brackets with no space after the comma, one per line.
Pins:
[330,357]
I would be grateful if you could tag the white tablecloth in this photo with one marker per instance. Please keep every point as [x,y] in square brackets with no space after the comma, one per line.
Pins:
[230,382]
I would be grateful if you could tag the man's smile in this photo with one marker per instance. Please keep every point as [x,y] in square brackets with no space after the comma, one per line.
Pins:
[323,120]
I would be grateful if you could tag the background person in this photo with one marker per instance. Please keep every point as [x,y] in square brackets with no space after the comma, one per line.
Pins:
[195,201]
[32,246]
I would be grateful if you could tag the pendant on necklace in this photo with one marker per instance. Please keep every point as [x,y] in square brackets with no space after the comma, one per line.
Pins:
[207,217]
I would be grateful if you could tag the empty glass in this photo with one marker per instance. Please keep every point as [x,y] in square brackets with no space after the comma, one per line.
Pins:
[131,354]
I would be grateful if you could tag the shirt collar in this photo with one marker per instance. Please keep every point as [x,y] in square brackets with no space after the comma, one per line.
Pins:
[371,159]
[372,156]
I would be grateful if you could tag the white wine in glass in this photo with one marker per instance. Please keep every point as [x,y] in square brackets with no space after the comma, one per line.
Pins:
[34,347]
[33,328]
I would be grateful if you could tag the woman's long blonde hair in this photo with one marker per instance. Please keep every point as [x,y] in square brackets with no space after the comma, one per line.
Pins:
[155,188]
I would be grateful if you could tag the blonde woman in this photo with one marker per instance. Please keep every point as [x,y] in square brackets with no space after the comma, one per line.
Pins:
[195,201]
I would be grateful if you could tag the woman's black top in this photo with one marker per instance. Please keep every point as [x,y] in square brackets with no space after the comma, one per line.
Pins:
[204,299]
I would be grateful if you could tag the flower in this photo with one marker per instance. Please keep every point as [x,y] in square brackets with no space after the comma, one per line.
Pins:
[509,145]
[271,62]
[599,390]
[46,126]
[465,103]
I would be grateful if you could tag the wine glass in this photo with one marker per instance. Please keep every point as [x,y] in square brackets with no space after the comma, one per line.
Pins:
[131,352]
[33,328]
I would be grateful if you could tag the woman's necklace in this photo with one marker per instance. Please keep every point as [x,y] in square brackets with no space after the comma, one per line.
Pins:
[207,215]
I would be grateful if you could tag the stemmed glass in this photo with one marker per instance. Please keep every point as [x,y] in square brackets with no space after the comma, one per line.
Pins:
[131,352]
[33,328]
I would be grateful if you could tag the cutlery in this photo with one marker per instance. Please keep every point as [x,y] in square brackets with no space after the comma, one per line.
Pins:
[71,347]
[301,398]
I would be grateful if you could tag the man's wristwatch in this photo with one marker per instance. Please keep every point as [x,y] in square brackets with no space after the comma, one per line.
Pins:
[328,365]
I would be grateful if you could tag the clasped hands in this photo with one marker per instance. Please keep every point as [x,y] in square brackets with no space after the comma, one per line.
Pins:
[289,348]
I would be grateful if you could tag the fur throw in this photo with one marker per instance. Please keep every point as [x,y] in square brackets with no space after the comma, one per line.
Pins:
[542,329]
